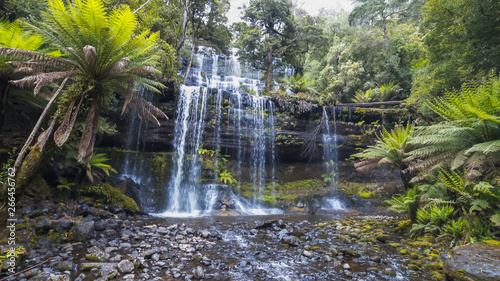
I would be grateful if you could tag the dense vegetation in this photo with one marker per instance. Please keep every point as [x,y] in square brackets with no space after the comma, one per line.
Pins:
[440,56]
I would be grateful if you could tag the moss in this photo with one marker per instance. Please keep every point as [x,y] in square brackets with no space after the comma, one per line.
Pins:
[437,275]
[404,252]
[414,267]
[364,194]
[414,256]
[284,192]
[492,242]
[93,258]
[110,195]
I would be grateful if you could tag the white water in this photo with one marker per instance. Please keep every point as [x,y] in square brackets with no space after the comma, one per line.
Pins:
[333,204]
[330,145]
[225,77]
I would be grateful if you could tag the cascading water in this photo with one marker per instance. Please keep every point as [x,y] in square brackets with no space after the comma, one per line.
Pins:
[330,157]
[213,80]
[330,143]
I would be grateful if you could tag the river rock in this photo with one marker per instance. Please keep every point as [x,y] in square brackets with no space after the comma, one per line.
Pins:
[45,276]
[82,232]
[199,273]
[101,225]
[478,262]
[62,225]
[108,272]
[43,226]
[125,266]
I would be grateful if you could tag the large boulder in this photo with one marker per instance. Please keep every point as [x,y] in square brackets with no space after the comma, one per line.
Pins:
[476,262]
[82,232]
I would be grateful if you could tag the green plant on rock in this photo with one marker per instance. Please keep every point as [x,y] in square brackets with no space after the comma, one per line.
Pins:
[226,178]
[110,195]
[97,162]
[204,152]
[432,220]
[407,204]
[391,148]
[471,197]
[387,91]
[299,84]
[65,185]
[364,97]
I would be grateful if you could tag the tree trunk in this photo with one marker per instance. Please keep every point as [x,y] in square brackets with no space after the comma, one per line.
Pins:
[184,26]
[269,74]
[386,35]
[190,60]
[20,157]
[405,178]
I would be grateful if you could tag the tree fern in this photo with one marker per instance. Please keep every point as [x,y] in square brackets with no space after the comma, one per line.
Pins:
[470,134]
[103,53]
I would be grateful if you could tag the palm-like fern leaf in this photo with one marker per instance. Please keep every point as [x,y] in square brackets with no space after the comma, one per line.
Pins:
[102,52]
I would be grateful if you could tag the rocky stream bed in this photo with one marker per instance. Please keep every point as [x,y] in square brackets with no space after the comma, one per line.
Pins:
[107,244]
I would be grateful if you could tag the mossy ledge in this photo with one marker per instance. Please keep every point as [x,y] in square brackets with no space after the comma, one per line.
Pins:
[110,195]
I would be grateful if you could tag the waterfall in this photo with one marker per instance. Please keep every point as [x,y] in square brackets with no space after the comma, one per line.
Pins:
[201,106]
[330,143]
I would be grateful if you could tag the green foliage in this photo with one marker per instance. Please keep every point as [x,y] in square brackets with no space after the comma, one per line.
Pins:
[97,162]
[299,84]
[65,185]
[226,178]
[432,220]
[205,152]
[110,195]
[459,44]
[12,35]
[391,147]
[470,134]
[103,54]
[363,97]
[405,203]
[269,31]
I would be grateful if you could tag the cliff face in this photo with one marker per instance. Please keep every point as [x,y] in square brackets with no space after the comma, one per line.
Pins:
[297,137]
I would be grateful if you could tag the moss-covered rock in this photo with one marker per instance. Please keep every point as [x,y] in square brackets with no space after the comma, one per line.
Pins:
[110,195]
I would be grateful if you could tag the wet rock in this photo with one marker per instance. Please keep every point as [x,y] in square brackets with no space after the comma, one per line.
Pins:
[82,210]
[199,273]
[346,266]
[88,266]
[95,254]
[65,265]
[382,238]
[267,224]
[101,225]
[307,254]
[205,233]
[125,266]
[291,240]
[108,272]
[62,225]
[46,276]
[82,231]
[149,253]
[115,209]
[43,226]
[226,202]
[478,261]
